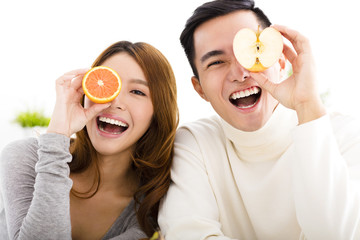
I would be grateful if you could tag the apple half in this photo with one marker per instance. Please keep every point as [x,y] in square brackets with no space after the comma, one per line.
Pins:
[257,51]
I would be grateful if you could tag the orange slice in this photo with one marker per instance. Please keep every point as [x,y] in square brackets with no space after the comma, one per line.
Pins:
[101,84]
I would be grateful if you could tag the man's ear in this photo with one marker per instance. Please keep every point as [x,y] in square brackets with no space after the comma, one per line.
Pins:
[198,88]
[282,63]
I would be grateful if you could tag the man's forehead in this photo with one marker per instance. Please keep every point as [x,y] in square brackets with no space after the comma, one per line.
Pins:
[217,34]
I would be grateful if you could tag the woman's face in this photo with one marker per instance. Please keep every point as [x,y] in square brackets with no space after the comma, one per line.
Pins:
[116,129]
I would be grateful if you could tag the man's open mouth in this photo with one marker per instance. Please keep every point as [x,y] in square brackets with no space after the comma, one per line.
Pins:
[246,98]
[111,126]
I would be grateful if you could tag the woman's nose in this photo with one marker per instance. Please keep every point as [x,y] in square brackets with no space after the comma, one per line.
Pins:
[119,102]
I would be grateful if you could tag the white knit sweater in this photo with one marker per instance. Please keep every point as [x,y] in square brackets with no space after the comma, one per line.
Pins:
[282,181]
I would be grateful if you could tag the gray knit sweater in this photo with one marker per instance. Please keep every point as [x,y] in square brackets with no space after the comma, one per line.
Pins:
[35,187]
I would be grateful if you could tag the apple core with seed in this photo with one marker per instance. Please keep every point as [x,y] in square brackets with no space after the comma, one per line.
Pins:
[257,51]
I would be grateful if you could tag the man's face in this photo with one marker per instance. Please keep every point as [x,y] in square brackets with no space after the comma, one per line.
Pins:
[233,94]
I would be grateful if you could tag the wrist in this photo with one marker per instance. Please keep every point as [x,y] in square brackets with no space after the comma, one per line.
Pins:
[58,129]
[310,111]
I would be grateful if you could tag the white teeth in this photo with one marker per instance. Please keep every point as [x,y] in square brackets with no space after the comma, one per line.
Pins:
[113,121]
[245,93]
[249,106]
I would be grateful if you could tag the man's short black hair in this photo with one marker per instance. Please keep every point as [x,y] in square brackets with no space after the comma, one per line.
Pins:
[211,10]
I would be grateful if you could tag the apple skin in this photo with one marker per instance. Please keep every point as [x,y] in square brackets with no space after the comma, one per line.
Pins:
[257,67]
[257,51]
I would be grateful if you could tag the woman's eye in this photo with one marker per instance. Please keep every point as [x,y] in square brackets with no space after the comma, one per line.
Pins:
[138,92]
[215,63]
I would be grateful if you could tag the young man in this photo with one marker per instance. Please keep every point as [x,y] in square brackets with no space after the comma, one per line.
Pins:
[274,164]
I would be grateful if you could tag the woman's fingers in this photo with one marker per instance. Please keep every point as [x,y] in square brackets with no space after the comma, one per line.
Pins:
[67,78]
[95,109]
[77,71]
[76,82]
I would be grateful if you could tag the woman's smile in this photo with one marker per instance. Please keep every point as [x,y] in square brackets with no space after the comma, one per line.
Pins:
[110,126]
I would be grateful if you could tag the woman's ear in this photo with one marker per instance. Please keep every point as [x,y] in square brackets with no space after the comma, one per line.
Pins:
[198,88]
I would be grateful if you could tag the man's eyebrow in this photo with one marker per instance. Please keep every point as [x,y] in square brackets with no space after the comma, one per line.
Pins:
[211,54]
[139,81]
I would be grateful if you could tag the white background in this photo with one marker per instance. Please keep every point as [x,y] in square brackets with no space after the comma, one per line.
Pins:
[41,40]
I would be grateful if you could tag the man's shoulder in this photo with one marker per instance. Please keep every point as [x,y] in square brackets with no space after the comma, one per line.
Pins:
[203,133]
[340,121]
[202,141]
[345,127]
[204,126]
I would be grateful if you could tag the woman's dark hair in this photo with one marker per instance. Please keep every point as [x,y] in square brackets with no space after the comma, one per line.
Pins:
[153,152]
[211,10]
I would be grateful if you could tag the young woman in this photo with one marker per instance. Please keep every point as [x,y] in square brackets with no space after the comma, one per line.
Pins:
[106,183]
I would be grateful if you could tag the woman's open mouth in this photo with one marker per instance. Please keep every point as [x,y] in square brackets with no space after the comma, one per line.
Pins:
[111,126]
[247,98]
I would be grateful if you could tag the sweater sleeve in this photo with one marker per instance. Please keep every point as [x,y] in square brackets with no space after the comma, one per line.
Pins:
[189,210]
[35,186]
[326,177]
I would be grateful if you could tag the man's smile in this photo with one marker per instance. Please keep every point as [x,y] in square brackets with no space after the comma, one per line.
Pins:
[246,98]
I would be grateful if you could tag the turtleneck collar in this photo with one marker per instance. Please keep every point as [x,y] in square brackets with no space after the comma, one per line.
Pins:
[267,143]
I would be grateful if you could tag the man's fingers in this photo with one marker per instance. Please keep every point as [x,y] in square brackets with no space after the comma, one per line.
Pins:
[264,83]
[290,54]
[300,42]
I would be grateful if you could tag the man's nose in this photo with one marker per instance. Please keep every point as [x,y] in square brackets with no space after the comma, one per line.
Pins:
[238,72]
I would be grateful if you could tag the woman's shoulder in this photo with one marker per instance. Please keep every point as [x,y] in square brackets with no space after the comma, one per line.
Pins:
[19,153]
[20,147]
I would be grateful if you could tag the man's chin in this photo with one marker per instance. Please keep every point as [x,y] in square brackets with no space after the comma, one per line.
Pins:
[247,124]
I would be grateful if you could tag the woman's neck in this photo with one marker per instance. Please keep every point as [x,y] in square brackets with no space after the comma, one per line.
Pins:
[117,172]
[116,175]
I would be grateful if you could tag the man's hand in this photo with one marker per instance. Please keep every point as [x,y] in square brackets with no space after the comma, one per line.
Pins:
[299,91]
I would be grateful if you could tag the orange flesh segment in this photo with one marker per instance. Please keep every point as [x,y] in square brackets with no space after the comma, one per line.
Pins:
[101,83]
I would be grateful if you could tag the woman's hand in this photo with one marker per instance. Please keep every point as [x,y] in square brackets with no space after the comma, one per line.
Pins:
[299,91]
[69,116]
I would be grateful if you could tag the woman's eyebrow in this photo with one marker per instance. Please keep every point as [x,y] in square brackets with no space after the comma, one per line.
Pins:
[211,54]
[139,81]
